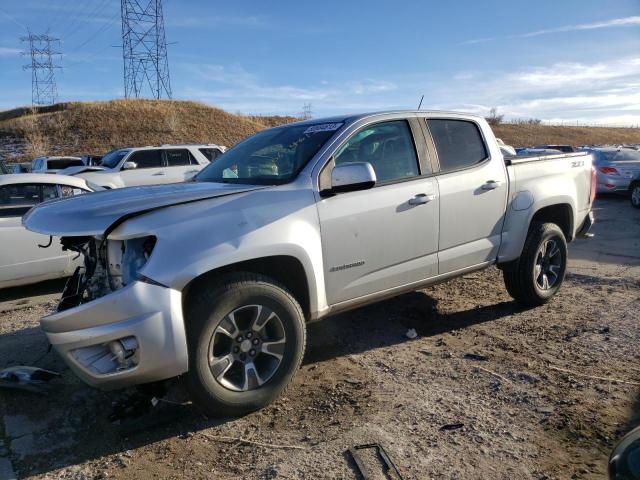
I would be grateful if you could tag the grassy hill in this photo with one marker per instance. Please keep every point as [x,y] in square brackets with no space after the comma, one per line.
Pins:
[95,127]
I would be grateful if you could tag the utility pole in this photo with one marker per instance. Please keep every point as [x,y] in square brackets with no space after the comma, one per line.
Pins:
[44,90]
[144,49]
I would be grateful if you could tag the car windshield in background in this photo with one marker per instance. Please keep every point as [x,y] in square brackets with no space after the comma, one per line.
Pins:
[60,163]
[112,159]
[620,156]
[271,157]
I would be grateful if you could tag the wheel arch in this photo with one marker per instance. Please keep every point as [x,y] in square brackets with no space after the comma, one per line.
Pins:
[561,214]
[285,269]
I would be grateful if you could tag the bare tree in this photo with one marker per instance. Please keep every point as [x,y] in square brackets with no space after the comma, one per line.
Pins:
[494,118]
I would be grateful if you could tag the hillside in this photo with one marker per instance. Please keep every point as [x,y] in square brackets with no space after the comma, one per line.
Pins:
[95,127]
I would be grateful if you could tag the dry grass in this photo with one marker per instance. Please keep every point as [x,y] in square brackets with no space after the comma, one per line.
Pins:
[95,127]
[523,135]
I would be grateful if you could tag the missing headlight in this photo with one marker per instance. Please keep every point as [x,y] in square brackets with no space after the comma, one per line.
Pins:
[126,258]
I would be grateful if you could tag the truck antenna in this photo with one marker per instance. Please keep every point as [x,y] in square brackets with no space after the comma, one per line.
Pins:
[420,104]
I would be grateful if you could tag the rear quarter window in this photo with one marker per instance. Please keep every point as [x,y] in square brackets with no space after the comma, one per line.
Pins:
[459,143]
[211,153]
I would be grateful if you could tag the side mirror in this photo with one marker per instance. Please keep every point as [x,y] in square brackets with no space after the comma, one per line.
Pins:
[129,166]
[349,177]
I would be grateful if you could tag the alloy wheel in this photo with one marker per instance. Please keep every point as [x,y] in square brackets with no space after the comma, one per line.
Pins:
[548,265]
[246,348]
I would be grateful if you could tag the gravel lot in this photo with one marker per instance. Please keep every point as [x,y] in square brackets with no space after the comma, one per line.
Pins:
[516,388]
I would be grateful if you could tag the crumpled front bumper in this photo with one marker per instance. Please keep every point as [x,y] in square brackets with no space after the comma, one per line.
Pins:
[150,313]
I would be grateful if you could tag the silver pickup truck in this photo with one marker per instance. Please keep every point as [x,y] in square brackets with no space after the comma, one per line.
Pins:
[215,280]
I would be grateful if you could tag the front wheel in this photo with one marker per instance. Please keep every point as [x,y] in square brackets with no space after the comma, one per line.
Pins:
[537,275]
[246,337]
[635,195]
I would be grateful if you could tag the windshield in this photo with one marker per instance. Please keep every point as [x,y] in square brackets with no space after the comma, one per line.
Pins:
[112,159]
[619,156]
[271,157]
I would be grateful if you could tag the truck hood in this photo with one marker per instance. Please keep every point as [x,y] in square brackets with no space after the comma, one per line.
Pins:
[81,169]
[96,213]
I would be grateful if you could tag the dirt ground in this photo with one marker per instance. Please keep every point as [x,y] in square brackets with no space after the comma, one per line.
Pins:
[486,391]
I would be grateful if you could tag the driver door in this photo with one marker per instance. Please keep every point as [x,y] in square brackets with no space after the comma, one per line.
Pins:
[385,237]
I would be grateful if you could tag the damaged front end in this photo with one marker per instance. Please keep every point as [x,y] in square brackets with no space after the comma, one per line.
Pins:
[109,265]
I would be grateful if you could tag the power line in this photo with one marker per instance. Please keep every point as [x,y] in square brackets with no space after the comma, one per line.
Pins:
[144,49]
[44,90]
[5,14]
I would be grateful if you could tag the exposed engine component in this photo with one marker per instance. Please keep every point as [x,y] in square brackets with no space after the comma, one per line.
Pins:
[108,266]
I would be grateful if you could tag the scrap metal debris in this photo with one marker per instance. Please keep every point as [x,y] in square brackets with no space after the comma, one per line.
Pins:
[389,468]
[30,379]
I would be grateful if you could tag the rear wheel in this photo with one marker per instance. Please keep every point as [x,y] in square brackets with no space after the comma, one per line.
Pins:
[246,338]
[635,194]
[537,275]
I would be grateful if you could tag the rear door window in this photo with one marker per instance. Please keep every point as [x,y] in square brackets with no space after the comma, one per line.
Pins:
[179,157]
[147,159]
[16,200]
[458,142]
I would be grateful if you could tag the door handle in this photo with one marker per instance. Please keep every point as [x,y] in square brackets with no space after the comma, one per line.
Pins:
[491,185]
[421,199]
[157,174]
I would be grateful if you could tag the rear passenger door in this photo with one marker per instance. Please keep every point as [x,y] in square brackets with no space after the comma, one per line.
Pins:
[149,169]
[473,194]
[181,165]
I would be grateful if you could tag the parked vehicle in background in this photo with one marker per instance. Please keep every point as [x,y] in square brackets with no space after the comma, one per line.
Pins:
[634,191]
[537,151]
[4,168]
[22,261]
[615,168]
[507,150]
[19,167]
[216,278]
[54,164]
[560,148]
[127,167]
[91,160]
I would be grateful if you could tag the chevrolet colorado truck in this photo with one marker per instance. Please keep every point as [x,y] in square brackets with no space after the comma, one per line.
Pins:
[215,280]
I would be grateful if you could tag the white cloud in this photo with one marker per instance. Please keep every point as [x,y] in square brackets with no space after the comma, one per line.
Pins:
[616,22]
[9,52]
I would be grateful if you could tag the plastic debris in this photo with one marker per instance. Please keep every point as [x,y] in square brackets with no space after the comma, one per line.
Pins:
[411,334]
[31,379]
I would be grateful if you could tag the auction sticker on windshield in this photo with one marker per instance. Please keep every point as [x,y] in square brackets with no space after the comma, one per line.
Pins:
[323,127]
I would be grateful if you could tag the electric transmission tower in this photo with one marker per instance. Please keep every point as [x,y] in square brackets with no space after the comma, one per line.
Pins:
[144,49]
[42,48]
[306,111]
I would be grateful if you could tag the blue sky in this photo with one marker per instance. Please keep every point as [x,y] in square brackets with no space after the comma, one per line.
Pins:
[561,60]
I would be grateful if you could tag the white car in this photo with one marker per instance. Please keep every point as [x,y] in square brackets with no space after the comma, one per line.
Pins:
[127,167]
[22,261]
[54,164]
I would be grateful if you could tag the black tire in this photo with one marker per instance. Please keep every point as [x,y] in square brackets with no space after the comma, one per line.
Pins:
[634,194]
[521,278]
[209,306]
